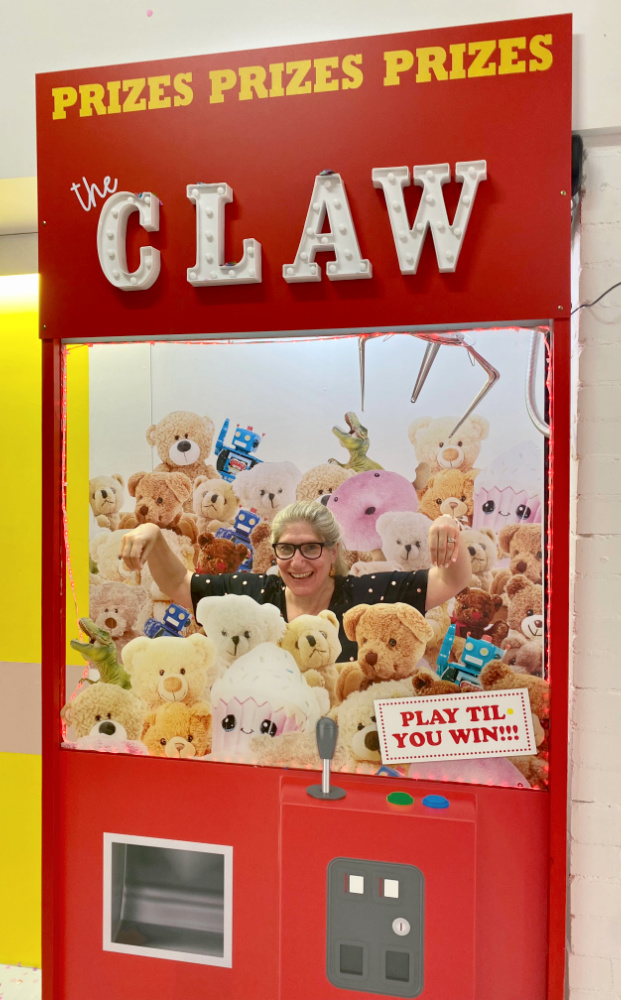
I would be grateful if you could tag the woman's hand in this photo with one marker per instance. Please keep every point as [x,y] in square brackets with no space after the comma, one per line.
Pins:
[137,545]
[444,540]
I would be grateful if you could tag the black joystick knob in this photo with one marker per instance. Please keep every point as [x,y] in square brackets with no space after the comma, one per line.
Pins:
[326,734]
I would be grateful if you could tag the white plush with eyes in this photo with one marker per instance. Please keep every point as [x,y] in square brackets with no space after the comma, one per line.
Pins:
[268,487]
[405,543]
[236,624]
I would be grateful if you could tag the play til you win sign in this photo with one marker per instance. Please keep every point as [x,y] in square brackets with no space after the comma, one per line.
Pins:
[456,727]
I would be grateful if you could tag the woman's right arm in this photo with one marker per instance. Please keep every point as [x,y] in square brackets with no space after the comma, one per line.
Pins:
[146,544]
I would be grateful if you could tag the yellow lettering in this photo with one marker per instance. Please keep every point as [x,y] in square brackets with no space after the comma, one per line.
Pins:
[431,59]
[91,96]
[397,62]
[131,102]
[221,80]
[353,75]
[299,69]
[114,105]
[538,49]
[184,93]
[156,92]
[509,63]
[276,87]
[323,74]
[63,97]
[252,78]
[457,62]
[481,52]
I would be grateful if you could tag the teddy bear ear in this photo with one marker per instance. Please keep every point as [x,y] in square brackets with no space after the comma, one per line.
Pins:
[351,619]
[416,426]
[413,620]
[471,474]
[330,617]
[150,435]
[206,539]
[180,485]
[199,480]
[497,601]
[119,478]
[65,713]
[242,552]
[505,536]
[132,482]
[133,647]
[463,593]
[481,424]
[202,712]
[275,619]
[292,471]
[516,584]
[260,533]
[209,425]
[489,532]
[242,483]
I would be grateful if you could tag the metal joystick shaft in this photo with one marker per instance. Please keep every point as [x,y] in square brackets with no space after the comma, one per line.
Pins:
[326,734]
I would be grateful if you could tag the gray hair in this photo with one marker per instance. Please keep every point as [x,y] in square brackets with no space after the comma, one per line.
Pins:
[320,519]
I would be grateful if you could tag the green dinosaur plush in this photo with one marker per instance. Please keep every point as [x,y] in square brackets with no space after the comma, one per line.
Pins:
[101,652]
[356,440]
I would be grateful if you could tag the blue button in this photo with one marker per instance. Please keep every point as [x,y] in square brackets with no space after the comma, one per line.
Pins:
[436,802]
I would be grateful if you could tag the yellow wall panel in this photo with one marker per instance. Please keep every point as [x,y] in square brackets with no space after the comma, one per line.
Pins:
[20,859]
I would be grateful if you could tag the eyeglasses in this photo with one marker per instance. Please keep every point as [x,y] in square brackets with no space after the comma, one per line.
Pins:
[287,550]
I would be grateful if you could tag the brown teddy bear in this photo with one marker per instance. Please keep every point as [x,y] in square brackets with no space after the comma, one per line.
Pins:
[214,503]
[106,499]
[523,544]
[426,683]
[500,676]
[263,558]
[176,730]
[313,641]
[116,608]
[219,555]
[483,551]
[391,641]
[475,613]
[321,480]
[435,449]
[183,441]
[169,668]
[449,491]
[104,712]
[525,614]
[160,497]
[524,655]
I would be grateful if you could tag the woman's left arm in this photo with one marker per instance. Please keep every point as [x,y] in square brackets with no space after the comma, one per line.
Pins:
[451,568]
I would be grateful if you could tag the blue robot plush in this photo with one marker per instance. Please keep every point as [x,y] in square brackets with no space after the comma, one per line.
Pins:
[175,620]
[245,522]
[477,653]
[236,457]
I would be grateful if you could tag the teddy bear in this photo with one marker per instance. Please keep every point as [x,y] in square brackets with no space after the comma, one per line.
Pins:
[157,601]
[405,544]
[313,641]
[178,730]
[523,544]
[105,553]
[169,669]
[483,550]
[263,558]
[160,497]
[321,481]
[219,555]
[475,613]
[435,449]
[183,441]
[391,642]
[105,716]
[268,487]
[524,655]
[214,503]
[236,624]
[510,489]
[116,608]
[525,614]
[361,500]
[106,495]
[500,676]
[449,491]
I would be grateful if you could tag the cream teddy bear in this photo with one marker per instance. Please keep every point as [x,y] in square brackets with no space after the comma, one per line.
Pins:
[169,669]
[313,641]
[435,449]
[236,624]
[106,495]
[405,544]
[268,487]
[214,503]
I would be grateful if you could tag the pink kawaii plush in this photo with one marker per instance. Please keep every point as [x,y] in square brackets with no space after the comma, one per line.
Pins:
[359,501]
[509,490]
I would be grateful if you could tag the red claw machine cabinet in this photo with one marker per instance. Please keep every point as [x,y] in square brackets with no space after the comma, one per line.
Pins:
[338,274]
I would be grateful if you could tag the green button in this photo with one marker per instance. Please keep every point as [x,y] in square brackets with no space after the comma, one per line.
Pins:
[400,798]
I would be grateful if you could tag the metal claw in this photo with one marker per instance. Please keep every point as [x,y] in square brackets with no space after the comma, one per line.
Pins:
[361,364]
[430,356]
[492,376]
[529,389]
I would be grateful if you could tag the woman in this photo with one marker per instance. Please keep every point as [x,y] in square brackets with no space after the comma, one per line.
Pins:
[312,572]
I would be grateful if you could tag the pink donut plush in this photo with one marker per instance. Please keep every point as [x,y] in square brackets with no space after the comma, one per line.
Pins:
[359,501]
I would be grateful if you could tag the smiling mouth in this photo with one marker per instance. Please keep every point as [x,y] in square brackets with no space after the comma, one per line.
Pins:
[301,576]
[247,732]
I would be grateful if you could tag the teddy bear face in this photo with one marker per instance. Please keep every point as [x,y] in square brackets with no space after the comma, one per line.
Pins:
[268,487]
[321,481]
[219,555]
[475,609]
[449,492]
[391,639]
[525,606]
[361,500]
[313,640]
[214,500]
[482,549]
[499,675]
[106,495]
[159,496]
[357,721]
[115,607]
[523,542]
[405,539]
[169,669]
[236,624]
[182,439]
[526,657]
[434,446]
[105,711]
[177,730]
[105,551]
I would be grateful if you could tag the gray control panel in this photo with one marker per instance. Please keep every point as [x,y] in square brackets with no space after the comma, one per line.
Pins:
[375,927]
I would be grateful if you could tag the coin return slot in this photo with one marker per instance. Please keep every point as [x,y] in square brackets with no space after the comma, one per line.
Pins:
[398,966]
[352,959]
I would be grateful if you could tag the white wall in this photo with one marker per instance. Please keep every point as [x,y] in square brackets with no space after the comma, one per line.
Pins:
[595,960]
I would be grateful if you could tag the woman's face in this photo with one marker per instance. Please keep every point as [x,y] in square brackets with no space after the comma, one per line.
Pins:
[303,576]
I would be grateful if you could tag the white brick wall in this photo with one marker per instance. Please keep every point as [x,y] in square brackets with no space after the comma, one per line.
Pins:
[595,860]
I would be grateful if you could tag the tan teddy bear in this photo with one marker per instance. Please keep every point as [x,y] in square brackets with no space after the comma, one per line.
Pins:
[183,441]
[483,550]
[523,544]
[263,559]
[214,503]
[449,491]
[500,676]
[106,495]
[105,553]
[160,497]
[525,656]
[391,642]
[176,730]
[101,713]
[434,449]
[169,669]
[116,608]
[321,480]
[313,641]
[525,614]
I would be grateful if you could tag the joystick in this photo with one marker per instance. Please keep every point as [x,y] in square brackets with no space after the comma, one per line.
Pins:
[326,734]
